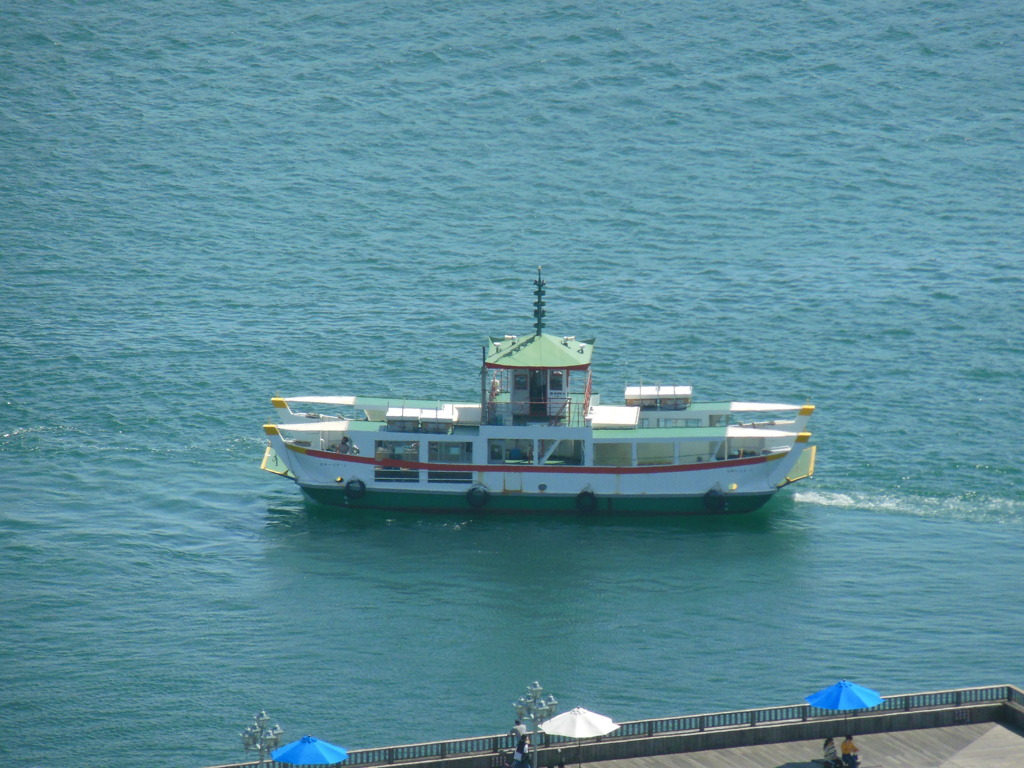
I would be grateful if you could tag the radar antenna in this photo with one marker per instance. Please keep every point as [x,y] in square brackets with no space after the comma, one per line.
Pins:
[538,311]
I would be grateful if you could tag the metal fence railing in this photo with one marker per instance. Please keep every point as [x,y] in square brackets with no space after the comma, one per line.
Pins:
[661,726]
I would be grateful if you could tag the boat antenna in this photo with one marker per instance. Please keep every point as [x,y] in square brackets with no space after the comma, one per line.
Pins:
[538,311]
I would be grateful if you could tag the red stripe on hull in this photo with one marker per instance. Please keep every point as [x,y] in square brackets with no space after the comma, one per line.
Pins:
[530,468]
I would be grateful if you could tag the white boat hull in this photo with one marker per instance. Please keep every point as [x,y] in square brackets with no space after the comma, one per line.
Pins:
[730,486]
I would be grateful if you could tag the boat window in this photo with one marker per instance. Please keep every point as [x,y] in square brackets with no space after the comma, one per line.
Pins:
[613,454]
[743,448]
[389,475]
[651,454]
[510,451]
[672,422]
[439,476]
[561,452]
[694,453]
[329,441]
[556,381]
[400,450]
[449,453]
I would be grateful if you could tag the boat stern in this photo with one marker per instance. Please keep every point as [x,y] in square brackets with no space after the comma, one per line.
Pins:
[272,461]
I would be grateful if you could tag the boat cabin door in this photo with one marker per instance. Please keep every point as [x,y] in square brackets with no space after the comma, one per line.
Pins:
[539,394]
[520,393]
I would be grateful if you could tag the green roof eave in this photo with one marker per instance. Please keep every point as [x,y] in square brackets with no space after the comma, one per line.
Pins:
[661,434]
[539,351]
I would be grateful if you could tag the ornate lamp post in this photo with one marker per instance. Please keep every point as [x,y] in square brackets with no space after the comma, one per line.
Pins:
[259,737]
[534,707]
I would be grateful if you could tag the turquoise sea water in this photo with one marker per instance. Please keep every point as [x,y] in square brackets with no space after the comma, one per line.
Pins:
[204,204]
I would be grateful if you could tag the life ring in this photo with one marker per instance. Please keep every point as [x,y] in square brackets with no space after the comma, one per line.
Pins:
[478,496]
[586,502]
[355,489]
[714,501]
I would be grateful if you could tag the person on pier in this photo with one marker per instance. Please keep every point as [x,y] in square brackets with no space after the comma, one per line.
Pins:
[522,757]
[831,758]
[850,757]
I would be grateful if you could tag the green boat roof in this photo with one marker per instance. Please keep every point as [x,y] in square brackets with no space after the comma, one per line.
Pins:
[539,350]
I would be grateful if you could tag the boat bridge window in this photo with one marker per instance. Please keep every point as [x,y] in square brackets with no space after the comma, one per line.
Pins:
[537,394]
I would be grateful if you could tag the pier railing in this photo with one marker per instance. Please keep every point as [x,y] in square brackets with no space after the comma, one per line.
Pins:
[491,747]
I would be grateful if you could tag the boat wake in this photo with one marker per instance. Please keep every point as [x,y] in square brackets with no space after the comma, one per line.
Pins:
[974,507]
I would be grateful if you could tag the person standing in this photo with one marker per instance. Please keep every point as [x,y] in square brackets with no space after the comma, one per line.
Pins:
[518,730]
[527,752]
[850,757]
[522,756]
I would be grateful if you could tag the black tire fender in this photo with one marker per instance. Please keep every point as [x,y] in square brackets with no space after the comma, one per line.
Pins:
[478,496]
[355,489]
[714,501]
[586,502]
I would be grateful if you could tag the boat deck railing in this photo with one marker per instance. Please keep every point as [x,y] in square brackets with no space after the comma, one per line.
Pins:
[565,410]
[497,745]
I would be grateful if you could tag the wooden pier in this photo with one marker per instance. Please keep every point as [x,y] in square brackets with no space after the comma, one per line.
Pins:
[959,728]
[976,745]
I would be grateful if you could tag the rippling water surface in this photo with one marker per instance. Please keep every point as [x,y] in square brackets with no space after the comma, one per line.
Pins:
[207,203]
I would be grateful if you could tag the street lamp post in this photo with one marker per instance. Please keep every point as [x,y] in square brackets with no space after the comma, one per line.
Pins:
[534,707]
[261,738]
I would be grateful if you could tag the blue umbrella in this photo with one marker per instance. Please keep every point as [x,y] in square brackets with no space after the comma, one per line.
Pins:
[309,750]
[844,695]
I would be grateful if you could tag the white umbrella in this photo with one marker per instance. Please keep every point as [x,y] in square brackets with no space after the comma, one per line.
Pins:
[579,723]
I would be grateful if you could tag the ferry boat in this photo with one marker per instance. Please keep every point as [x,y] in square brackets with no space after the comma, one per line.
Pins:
[541,440]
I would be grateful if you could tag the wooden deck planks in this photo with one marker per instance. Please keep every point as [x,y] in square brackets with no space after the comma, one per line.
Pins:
[999,748]
[975,745]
